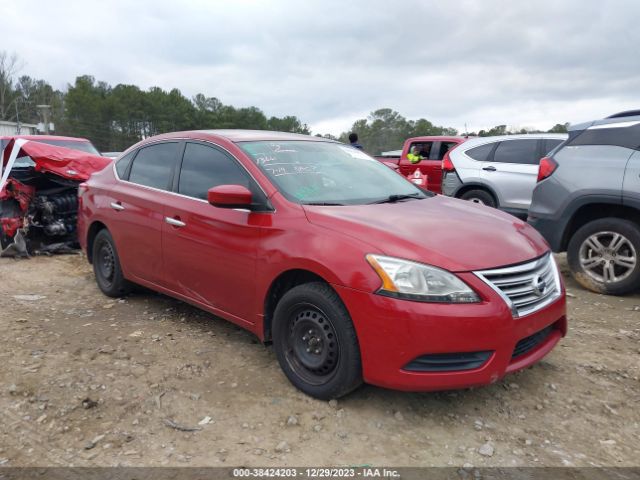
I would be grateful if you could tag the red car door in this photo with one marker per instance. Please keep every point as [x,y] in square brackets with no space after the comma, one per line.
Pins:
[433,166]
[429,165]
[210,253]
[138,203]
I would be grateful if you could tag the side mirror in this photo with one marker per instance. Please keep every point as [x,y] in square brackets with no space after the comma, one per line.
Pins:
[229,196]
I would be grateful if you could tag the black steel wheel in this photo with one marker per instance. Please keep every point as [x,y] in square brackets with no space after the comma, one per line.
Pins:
[106,266]
[316,343]
[312,346]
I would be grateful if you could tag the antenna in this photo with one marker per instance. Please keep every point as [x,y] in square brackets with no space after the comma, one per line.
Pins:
[466,132]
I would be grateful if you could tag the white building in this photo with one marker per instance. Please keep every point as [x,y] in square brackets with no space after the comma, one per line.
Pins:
[11,128]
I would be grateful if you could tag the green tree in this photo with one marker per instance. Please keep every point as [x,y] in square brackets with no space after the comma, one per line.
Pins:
[497,130]
[559,128]
[385,129]
[85,113]
[127,109]
[288,124]
[31,93]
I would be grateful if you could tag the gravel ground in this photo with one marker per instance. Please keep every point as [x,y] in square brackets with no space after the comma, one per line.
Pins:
[90,381]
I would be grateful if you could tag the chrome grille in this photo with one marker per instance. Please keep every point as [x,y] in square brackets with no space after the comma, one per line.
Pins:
[527,287]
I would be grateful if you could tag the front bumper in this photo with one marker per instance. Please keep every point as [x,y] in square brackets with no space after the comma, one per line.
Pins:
[551,229]
[392,333]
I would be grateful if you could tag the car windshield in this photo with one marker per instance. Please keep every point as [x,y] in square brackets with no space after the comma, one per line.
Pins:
[327,173]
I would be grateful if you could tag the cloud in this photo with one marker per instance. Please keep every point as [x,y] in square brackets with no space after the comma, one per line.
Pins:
[331,62]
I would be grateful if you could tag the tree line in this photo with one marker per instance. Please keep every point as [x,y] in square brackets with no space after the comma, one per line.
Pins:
[115,117]
[385,130]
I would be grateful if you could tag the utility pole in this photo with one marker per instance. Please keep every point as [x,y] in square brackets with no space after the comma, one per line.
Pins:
[44,111]
[17,119]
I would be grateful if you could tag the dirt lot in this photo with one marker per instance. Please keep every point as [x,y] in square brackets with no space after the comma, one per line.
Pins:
[148,360]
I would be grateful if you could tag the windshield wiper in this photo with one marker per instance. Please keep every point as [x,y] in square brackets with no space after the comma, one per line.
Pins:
[325,204]
[397,198]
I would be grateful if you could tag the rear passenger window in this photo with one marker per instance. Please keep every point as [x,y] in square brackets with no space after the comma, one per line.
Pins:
[444,148]
[153,166]
[123,163]
[206,167]
[481,153]
[550,145]
[517,151]
[625,135]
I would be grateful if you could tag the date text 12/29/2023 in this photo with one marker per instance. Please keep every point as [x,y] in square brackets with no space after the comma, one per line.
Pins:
[320,472]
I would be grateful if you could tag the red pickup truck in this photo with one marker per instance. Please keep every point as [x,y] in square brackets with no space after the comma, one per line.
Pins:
[432,149]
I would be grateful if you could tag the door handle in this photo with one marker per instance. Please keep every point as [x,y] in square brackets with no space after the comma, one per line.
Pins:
[175,222]
[117,206]
[489,169]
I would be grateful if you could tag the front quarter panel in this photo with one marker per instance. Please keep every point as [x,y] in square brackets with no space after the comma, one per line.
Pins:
[290,242]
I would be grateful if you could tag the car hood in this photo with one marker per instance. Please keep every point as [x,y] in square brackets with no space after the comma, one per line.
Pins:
[448,233]
[64,162]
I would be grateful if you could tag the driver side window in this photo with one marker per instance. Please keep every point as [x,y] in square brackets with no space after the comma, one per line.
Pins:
[423,149]
[204,167]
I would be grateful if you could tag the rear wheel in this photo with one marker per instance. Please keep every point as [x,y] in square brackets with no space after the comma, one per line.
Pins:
[106,266]
[603,256]
[479,196]
[316,343]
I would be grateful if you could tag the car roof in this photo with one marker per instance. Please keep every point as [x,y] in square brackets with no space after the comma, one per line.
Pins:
[435,138]
[237,135]
[628,113]
[617,120]
[476,141]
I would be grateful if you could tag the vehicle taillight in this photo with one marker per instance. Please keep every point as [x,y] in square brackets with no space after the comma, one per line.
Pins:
[447,164]
[547,166]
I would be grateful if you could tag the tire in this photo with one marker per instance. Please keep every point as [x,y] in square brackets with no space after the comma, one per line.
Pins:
[604,256]
[106,266]
[316,343]
[479,196]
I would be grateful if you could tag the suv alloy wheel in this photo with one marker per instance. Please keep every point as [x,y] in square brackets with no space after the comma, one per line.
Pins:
[603,256]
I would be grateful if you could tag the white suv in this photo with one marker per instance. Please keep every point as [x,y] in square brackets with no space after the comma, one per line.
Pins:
[498,171]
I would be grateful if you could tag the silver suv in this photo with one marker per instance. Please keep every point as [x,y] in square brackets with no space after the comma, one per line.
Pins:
[497,171]
[587,202]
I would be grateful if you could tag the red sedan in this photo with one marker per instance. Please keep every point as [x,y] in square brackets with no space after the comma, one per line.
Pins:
[350,270]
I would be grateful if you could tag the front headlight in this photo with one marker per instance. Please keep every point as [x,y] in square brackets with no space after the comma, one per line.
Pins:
[423,283]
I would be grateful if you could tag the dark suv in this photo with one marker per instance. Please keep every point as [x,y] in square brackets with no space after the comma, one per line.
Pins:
[587,202]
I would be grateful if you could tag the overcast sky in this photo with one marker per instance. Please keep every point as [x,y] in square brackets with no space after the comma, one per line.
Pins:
[525,63]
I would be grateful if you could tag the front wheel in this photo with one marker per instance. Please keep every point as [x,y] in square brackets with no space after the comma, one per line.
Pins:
[603,256]
[316,343]
[479,196]
[106,266]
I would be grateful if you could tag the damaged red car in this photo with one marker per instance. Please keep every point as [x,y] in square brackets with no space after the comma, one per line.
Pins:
[39,182]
